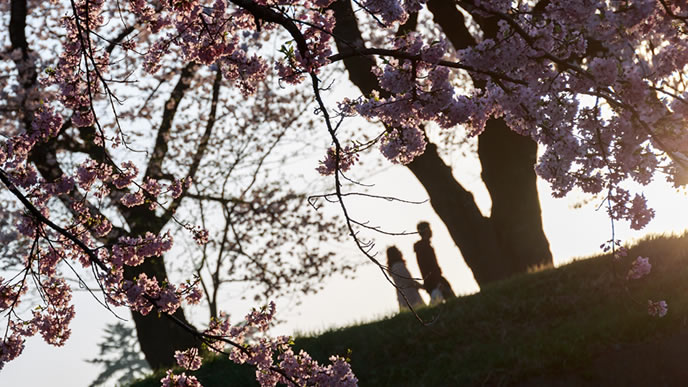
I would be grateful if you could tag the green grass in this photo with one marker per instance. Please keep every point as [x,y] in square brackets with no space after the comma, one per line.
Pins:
[556,323]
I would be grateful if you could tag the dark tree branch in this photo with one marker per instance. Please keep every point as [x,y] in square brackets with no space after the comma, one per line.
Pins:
[36,214]
[154,168]
[18,27]
[348,53]
[200,150]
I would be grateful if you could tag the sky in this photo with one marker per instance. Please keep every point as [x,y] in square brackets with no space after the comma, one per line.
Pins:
[572,233]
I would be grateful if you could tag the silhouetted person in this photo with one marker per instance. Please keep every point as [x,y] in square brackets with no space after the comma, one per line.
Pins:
[433,281]
[402,278]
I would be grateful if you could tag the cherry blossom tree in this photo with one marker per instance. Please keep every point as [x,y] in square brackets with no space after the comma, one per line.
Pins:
[514,233]
[598,85]
[225,147]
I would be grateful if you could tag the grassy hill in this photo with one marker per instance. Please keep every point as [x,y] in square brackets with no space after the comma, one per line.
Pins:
[582,323]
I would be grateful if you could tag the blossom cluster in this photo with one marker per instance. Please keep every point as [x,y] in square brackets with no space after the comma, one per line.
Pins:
[182,380]
[602,116]
[657,308]
[273,357]
[51,321]
[419,89]
[188,359]
[314,55]
[403,145]
[640,268]
[346,156]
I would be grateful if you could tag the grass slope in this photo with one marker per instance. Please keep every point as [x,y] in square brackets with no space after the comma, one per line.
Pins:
[578,324]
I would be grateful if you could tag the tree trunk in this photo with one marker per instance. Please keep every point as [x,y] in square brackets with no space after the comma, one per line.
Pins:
[507,159]
[511,240]
[158,335]
[473,233]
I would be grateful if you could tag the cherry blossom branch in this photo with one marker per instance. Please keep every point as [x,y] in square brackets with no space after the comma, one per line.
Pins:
[403,55]
[313,198]
[671,13]
[365,247]
[206,338]
[269,15]
[42,219]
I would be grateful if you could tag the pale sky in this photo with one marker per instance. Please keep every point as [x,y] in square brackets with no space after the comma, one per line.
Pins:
[571,232]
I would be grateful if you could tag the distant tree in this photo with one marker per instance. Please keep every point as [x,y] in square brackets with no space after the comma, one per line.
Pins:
[119,356]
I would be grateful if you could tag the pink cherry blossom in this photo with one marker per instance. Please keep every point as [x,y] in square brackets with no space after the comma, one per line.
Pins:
[11,347]
[188,359]
[347,157]
[47,123]
[403,145]
[640,268]
[192,293]
[182,380]
[657,308]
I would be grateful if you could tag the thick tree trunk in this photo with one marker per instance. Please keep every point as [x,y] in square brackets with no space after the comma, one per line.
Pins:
[507,159]
[512,240]
[159,336]
[471,231]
